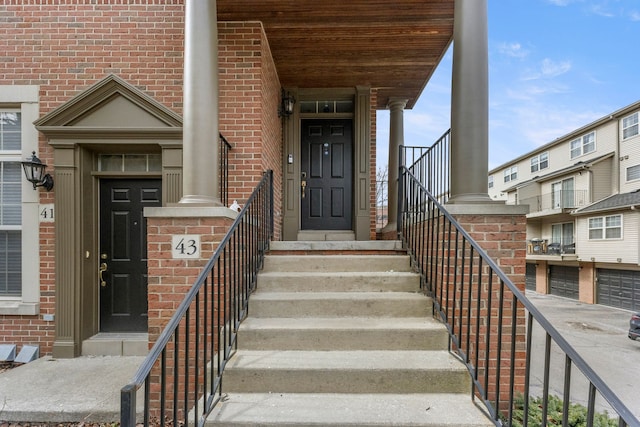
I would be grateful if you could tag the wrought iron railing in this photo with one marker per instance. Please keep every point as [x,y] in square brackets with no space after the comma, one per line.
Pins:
[382,204]
[431,165]
[182,375]
[491,322]
[225,147]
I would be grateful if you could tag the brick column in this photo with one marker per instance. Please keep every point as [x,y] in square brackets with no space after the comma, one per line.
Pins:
[171,278]
[587,282]
[542,277]
[500,231]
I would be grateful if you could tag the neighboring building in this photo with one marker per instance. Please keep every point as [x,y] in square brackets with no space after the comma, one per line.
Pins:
[583,191]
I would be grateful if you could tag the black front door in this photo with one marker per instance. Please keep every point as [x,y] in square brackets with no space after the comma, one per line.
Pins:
[123,252]
[327,153]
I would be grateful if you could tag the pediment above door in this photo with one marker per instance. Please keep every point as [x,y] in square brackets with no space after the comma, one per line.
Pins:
[111,109]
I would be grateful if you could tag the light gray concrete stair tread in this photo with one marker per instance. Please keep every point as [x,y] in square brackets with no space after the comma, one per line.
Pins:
[310,409]
[307,245]
[337,273]
[341,323]
[346,360]
[352,296]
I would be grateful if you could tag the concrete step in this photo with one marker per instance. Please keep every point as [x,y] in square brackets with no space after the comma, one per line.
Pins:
[375,281]
[338,263]
[359,333]
[334,246]
[368,410]
[339,304]
[345,372]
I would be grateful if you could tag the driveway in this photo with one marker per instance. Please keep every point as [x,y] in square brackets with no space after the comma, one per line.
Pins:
[599,335]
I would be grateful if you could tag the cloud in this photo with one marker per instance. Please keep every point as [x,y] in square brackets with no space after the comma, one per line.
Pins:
[634,15]
[561,2]
[513,50]
[601,10]
[551,68]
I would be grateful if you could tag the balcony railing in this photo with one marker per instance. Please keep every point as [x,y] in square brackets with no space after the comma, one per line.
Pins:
[182,374]
[491,322]
[543,247]
[565,199]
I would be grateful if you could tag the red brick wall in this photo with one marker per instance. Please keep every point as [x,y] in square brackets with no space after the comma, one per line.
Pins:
[250,96]
[66,46]
[503,237]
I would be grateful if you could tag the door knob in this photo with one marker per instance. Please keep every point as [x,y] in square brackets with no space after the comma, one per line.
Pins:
[303,184]
[102,269]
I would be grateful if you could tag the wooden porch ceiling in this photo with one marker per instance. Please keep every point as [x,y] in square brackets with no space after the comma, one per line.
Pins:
[391,45]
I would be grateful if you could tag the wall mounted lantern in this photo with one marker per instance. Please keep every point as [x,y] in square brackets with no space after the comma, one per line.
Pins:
[286,104]
[34,170]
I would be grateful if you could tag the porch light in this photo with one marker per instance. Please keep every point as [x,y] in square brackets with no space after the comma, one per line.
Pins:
[286,104]
[34,170]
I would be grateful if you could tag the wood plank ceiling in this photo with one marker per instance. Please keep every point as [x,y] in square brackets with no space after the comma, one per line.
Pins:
[391,45]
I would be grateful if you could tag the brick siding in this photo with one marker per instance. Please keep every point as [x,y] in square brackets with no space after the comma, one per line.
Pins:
[64,47]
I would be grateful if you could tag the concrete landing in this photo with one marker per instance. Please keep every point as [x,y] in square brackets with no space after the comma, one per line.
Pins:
[84,389]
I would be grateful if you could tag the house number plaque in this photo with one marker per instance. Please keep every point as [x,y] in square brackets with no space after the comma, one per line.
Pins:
[185,246]
[46,212]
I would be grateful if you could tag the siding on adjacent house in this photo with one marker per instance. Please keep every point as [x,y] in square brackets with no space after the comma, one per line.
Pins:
[610,250]
[602,180]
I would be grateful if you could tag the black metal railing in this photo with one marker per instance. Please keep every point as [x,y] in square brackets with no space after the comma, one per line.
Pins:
[431,165]
[492,324]
[181,377]
[382,204]
[225,147]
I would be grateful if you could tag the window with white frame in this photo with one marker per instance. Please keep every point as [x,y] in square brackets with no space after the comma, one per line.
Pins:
[633,173]
[540,162]
[490,181]
[605,227]
[583,145]
[511,174]
[19,207]
[630,126]
[10,203]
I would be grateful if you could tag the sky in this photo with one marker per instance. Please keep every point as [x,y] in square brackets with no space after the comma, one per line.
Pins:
[554,66]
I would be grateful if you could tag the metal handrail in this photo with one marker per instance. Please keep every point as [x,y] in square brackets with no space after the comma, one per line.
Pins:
[472,295]
[431,165]
[225,147]
[184,368]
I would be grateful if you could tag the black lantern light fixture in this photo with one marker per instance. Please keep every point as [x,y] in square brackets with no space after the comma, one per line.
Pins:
[34,170]
[286,104]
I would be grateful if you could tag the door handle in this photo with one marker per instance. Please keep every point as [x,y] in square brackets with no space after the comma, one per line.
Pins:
[102,269]
[303,184]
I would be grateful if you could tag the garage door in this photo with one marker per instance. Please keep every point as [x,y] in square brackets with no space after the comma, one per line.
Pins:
[530,278]
[563,281]
[619,288]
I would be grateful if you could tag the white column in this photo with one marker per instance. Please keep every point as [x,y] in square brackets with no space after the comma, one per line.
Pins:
[470,104]
[396,139]
[200,163]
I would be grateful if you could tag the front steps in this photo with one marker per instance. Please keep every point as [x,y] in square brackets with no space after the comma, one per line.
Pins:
[343,339]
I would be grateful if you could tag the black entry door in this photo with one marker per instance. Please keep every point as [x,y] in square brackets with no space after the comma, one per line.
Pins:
[327,152]
[123,252]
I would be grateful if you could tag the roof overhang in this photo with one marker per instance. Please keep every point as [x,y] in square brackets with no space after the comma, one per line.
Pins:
[391,46]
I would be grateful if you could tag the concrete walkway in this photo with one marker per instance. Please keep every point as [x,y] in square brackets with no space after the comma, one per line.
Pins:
[85,389]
